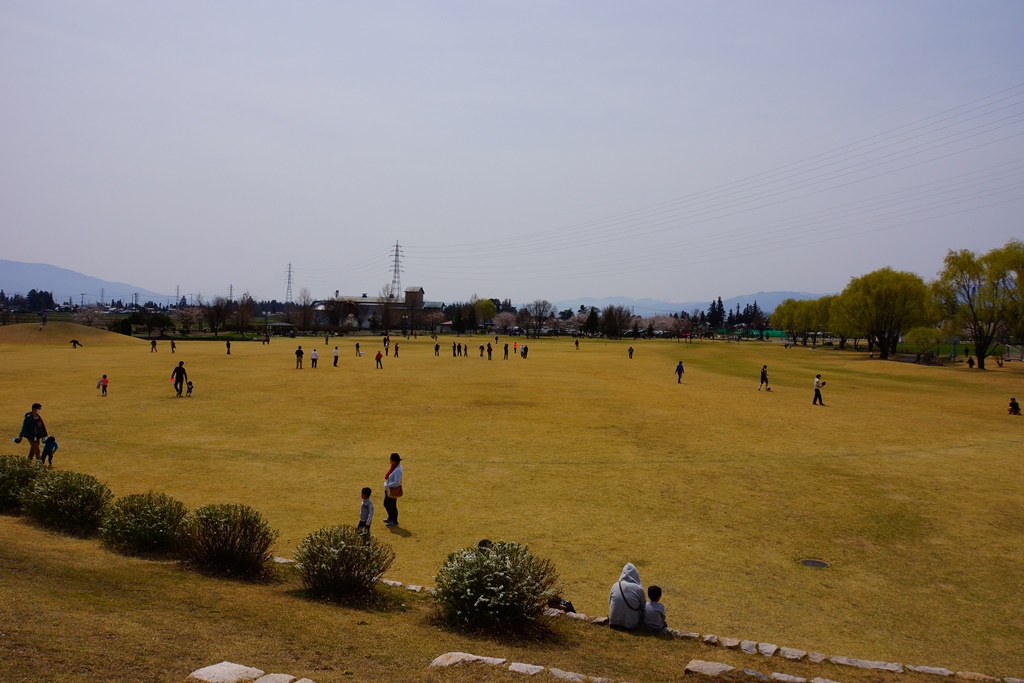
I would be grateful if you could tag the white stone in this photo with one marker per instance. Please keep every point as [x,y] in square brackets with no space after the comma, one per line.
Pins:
[276,678]
[729,643]
[767,649]
[710,639]
[577,616]
[748,646]
[391,582]
[453,658]
[867,664]
[528,669]
[305,680]
[1013,680]
[415,589]
[699,666]
[226,672]
[792,653]
[755,674]
[974,676]
[786,678]
[598,679]
[934,670]
[819,679]
[817,657]
[567,675]
[684,635]
[283,560]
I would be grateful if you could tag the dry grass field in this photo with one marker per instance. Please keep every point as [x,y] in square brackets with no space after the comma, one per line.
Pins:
[909,482]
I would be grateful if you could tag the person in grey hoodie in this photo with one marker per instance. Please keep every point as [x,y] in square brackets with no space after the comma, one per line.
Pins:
[626,601]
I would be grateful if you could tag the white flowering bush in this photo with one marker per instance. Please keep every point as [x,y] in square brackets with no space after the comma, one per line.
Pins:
[16,474]
[67,501]
[227,539]
[339,563]
[500,588]
[143,523]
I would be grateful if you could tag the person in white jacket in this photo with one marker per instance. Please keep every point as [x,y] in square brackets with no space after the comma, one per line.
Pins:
[626,601]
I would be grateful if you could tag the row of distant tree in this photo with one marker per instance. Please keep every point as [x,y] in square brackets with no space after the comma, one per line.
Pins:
[976,297]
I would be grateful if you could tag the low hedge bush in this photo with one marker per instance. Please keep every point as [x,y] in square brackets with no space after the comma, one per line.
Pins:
[339,563]
[501,588]
[227,539]
[143,523]
[68,501]
[16,474]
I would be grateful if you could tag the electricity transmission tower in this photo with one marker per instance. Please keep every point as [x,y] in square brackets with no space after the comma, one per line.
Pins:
[288,294]
[396,273]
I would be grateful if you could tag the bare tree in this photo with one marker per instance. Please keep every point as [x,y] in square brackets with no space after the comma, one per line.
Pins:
[388,301]
[334,311]
[434,320]
[304,307]
[540,310]
[245,311]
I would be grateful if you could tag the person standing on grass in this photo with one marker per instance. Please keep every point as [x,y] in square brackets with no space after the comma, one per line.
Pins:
[437,349]
[313,356]
[33,429]
[228,345]
[630,350]
[393,489]
[365,513]
[506,351]
[172,346]
[764,377]
[179,375]
[679,373]
[299,353]
[357,349]
[103,385]
[335,356]
[818,384]
[378,358]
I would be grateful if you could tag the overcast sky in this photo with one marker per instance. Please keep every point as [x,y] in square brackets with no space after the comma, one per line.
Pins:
[675,150]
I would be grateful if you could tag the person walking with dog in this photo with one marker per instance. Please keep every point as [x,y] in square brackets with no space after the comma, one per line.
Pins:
[393,489]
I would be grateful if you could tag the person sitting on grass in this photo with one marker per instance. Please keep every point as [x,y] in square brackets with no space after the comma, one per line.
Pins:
[626,601]
[1014,407]
[654,613]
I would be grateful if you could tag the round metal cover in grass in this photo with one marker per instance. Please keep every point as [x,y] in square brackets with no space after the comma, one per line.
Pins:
[814,563]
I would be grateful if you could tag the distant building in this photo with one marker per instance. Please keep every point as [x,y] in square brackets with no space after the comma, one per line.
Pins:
[391,313]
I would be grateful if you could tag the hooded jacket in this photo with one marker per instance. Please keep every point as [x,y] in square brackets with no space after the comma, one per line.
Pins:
[626,601]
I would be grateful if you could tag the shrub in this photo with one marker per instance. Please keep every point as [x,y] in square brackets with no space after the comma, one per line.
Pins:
[68,501]
[338,562]
[143,523]
[16,474]
[227,539]
[500,588]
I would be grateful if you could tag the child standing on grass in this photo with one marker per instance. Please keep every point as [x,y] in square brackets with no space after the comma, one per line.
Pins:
[188,389]
[654,613]
[102,384]
[365,512]
[49,448]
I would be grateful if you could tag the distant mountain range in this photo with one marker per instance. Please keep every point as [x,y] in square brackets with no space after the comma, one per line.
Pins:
[64,284]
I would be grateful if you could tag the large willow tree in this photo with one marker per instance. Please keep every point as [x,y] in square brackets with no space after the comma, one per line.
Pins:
[885,304]
[980,296]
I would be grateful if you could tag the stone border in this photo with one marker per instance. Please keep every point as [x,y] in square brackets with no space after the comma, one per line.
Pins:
[752,647]
[228,672]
